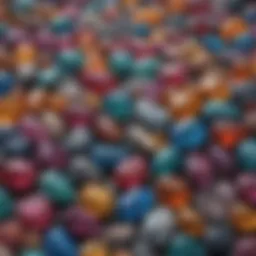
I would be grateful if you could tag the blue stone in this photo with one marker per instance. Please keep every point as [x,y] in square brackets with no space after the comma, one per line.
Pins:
[107,156]
[57,242]
[133,205]
[213,43]
[7,83]
[189,135]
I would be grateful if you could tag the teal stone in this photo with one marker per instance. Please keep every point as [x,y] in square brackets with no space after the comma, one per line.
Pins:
[3,30]
[24,5]
[6,204]
[32,252]
[62,25]
[119,105]
[70,60]
[216,110]
[57,187]
[246,154]
[183,245]
[166,161]
[146,68]
[121,63]
[48,78]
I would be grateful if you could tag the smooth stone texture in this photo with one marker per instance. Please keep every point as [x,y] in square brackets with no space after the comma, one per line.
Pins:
[245,246]
[81,169]
[189,135]
[133,205]
[35,212]
[57,242]
[131,172]
[183,245]
[150,114]
[78,140]
[121,63]
[18,145]
[200,170]
[19,175]
[107,156]
[119,105]
[219,240]
[6,83]
[166,161]
[146,68]
[32,252]
[246,154]
[70,60]
[6,203]
[158,227]
[81,224]
[57,187]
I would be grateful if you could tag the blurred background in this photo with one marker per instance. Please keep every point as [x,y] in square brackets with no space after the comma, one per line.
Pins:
[127,128]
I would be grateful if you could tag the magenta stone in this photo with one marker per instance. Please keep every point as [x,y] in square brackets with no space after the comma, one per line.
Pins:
[223,161]
[131,172]
[50,155]
[35,212]
[33,129]
[245,247]
[19,175]
[199,169]
[81,224]
[246,188]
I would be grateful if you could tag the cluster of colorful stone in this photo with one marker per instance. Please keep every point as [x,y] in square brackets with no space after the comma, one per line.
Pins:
[127,128]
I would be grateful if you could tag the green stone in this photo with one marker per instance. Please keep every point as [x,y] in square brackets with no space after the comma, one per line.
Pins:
[119,105]
[6,204]
[57,187]
[183,245]
[166,161]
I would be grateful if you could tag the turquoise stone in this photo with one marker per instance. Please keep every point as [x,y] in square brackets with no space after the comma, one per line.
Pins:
[119,105]
[121,63]
[49,77]
[57,187]
[6,204]
[166,161]
[32,253]
[246,154]
[217,109]
[70,60]
[183,245]
[62,25]
[146,68]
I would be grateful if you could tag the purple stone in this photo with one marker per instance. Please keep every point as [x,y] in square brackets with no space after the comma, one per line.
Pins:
[49,155]
[246,188]
[245,247]
[223,161]
[33,129]
[81,224]
[200,170]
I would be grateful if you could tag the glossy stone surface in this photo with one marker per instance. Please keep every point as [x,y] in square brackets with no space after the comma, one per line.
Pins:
[98,199]
[35,212]
[173,192]
[56,186]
